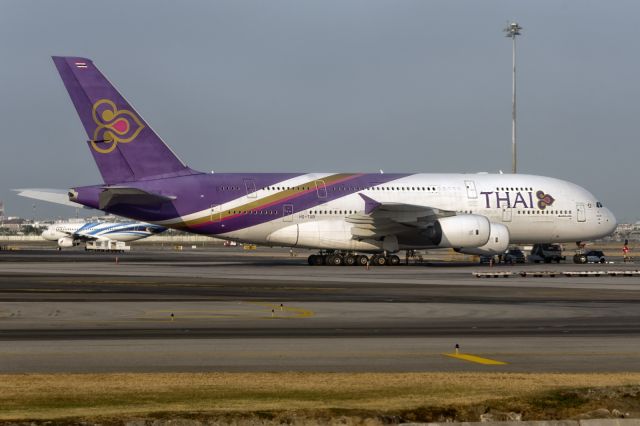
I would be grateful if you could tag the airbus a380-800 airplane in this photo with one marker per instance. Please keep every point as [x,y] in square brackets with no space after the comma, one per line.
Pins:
[346,213]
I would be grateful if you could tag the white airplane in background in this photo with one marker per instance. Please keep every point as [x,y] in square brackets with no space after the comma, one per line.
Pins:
[70,234]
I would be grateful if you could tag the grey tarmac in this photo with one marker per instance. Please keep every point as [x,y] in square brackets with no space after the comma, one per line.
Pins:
[228,310]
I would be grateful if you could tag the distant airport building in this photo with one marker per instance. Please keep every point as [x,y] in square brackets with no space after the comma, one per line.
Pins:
[12,224]
[627,231]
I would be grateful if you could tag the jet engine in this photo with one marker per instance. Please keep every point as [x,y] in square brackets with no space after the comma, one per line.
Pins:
[497,244]
[469,230]
[66,242]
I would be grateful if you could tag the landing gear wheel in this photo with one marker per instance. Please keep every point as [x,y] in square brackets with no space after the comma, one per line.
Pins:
[393,260]
[334,260]
[583,259]
[362,260]
[379,260]
[311,260]
[350,260]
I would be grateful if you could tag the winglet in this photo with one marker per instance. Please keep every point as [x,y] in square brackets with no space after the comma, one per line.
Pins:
[369,204]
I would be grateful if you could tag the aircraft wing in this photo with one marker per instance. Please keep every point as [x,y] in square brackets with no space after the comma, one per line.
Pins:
[56,196]
[380,219]
[114,195]
[85,237]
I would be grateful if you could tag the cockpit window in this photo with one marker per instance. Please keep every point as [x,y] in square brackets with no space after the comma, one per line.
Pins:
[599,204]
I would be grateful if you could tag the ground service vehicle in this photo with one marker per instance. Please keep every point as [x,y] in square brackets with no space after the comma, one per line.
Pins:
[546,253]
[514,256]
[592,256]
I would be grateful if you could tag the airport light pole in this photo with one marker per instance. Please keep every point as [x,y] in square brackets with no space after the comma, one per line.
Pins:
[512,30]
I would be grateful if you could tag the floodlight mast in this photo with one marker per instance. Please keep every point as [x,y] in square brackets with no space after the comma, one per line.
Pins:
[512,30]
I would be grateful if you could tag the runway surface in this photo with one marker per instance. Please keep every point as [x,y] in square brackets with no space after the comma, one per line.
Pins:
[222,309]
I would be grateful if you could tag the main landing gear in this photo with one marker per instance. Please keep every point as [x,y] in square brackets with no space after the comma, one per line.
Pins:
[351,259]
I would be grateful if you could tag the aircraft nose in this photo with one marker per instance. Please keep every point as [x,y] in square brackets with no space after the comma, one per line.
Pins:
[610,221]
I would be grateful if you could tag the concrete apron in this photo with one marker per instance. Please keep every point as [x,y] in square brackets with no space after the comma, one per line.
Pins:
[589,422]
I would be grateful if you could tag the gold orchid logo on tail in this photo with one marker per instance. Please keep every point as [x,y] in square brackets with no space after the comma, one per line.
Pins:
[114,126]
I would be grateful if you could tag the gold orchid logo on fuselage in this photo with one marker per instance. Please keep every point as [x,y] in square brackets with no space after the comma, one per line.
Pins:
[544,200]
[114,126]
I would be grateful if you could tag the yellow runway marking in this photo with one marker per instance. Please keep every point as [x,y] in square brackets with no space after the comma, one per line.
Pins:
[265,311]
[199,314]
[297,312]
[476,359]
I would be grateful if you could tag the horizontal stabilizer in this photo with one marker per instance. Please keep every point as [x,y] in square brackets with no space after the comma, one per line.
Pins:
[115,195]
[56,196]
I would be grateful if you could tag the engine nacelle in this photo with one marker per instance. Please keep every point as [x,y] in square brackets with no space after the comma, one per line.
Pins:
[497,244]
[66,242]
[469,230]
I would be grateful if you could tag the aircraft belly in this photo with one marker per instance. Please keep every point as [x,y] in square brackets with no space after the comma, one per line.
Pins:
[257,234]
[316,234]
[413,239]
[539,231]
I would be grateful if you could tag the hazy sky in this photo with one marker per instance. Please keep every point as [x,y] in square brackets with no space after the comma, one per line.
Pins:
[399,85]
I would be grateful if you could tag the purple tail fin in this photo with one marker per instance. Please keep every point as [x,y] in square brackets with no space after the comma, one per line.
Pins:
[122,143]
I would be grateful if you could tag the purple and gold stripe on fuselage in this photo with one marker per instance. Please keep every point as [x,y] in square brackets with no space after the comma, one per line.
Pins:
[301,197]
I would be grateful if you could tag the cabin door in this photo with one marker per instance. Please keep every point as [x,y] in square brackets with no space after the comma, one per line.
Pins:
[287,213]
[215,214]
[506,214]
[472,194]
[321,189]
[250,186]
[582,213]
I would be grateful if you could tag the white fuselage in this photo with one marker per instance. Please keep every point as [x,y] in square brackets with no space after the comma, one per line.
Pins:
[534,209]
